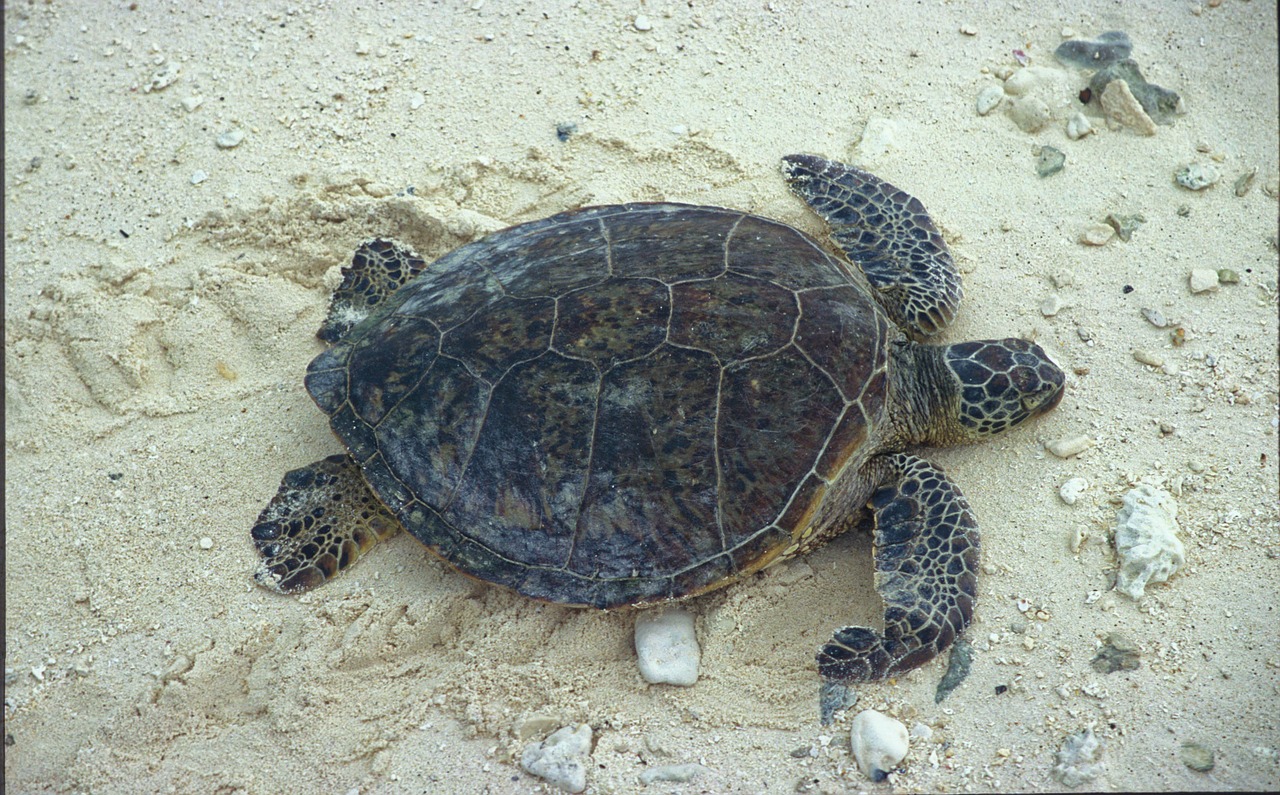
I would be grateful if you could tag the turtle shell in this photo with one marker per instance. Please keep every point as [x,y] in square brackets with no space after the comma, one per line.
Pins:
[617,404]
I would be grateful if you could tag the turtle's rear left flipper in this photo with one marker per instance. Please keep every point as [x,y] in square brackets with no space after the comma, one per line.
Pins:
[323,519]
[926,558]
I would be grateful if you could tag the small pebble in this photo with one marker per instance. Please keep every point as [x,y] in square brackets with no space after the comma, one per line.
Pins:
[676,773]
[198,177]
[1118,653]
[969,30]
[879,743]
[565,130]
[1062,279]
[1228,276]
[206,543]
[1197,757]
[1097,234]
[230,139]
[1148,358]
[189,104]
[1155,317]
[1069,446]
[667,647]
[1245,181]
[1125,225]
[1050,161]
[1078,126]
[1202,280]
[958,665]
[988,99]
[561,758]
[1072,489]
[642,23]
[1051,306]
[1077,759]
[1197,176]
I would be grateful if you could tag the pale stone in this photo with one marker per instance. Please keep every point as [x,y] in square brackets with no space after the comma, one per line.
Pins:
[988,99]
[1203,280]
[667,647]
[1146,538]
[879,743]
[561,758]
[1078,126]
[1119,103]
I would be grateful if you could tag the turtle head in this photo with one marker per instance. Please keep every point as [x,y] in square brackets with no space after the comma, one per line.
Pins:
[997,384]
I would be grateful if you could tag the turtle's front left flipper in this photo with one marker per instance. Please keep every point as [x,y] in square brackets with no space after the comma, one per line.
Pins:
[323,519]
[926,559]
[887,233]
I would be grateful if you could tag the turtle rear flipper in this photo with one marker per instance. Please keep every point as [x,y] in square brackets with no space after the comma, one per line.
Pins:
[926,559]
[321,521]
[377,269]
[888,234]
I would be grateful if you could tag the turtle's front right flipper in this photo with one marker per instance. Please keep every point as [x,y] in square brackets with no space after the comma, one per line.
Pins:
[323,519]
[926,559]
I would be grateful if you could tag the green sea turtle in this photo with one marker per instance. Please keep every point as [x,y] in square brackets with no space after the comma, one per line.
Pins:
[630,404]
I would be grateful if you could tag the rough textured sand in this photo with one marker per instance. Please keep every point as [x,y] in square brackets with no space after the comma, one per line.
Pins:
[156,331]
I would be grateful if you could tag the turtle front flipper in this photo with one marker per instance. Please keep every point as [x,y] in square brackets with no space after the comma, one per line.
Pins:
[926,559]
[888,234]
[322,520]
[377,269]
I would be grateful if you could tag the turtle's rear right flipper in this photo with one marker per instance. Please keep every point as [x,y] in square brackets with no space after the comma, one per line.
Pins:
[322,520]
[377,269]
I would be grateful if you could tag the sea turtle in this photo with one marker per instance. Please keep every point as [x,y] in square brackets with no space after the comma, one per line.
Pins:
[629,404]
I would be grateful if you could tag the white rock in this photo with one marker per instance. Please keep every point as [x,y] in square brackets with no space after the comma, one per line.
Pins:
[1072,489]
[1077,759]
[1203,280]
[988,99]
[878,137]
[1146,537]
[1029,113]
[667,647]
[1078,126]
[230,139]
[1051,306]
[561,758]
[879,743]
[641,23]
[1069,446]
[1097,234]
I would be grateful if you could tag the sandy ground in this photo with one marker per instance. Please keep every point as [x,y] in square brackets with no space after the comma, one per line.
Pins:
[162,293]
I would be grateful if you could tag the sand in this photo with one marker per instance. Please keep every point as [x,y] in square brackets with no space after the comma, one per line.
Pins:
[161,299]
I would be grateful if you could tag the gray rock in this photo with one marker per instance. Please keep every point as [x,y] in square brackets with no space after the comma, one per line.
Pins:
[1118,653]
[957,669]
[1050,161]
[1161,104]
[1108,48]
[1197,757]
[1197,176]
